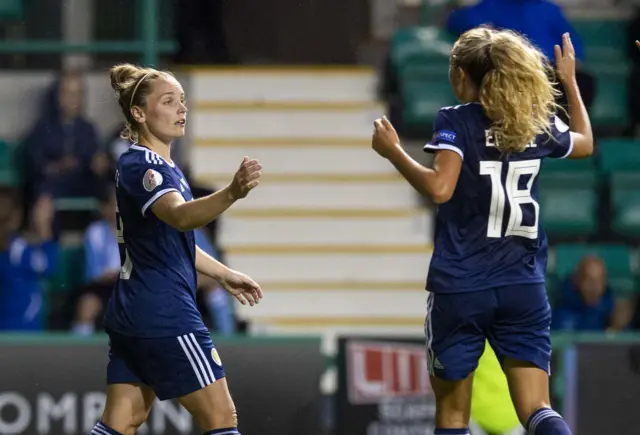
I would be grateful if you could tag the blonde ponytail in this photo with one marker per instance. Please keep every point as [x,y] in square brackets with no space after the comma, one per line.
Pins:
[516,92]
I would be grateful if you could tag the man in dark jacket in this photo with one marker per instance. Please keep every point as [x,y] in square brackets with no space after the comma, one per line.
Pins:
[61,152]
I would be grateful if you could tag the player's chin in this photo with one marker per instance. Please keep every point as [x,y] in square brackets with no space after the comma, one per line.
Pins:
[178,131]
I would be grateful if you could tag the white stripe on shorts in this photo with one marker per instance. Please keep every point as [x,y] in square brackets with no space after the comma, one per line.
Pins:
[204,359]
[198,356]
[185,344]
[428,332]
[99,429]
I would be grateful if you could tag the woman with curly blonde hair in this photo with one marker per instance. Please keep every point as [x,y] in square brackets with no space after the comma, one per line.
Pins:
[486,276]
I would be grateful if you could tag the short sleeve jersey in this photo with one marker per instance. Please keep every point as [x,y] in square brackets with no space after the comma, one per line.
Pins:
[488,234]
[155,295]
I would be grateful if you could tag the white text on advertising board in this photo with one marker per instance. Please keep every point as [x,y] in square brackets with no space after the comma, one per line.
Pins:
[378,371]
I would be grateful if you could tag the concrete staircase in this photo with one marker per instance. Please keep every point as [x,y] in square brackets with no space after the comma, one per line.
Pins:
[335,237]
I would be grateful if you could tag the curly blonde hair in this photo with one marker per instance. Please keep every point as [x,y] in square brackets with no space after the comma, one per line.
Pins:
[513,79]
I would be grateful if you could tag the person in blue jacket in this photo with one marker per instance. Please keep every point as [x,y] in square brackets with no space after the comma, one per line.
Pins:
[24,261]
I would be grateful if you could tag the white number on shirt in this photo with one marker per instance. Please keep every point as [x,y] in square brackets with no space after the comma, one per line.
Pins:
[515,196]
[126,266]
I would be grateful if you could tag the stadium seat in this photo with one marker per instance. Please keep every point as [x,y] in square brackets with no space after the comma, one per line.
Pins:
[625,201]
[568,197]
[619,155]
[569,210]
[76,204]
[617,258]
[423,99]
[429,43]
[8,175]
[565,172]
[609,109]
[568,165]
[70,272]
[11,9]
[423,69]
[602,40]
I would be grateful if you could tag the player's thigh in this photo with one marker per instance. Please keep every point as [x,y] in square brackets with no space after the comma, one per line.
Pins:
[528,385]
[212,406]
[454,330]
[128,398]
[520,336]
[127,407]
[176,366]
[521,326]
[453,402]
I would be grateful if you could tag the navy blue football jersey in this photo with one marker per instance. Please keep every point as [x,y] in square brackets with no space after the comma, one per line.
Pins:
[488,234]
[155,295]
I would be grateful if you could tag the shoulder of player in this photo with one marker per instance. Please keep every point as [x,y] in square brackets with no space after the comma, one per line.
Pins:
[461,108]
[137,157]
[460,111]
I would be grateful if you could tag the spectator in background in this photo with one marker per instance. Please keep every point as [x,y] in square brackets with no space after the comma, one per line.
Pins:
[541,21]
[102,266]
[24,261]
[587,303]
[61,151]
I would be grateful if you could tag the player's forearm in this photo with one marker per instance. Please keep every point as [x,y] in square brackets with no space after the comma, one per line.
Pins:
[424,180]
[202,211]
[207,265]
[578,114]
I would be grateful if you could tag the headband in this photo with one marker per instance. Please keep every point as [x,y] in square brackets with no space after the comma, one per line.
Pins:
[133,94]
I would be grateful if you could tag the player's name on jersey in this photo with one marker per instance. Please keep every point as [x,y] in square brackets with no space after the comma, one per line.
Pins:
[492,143]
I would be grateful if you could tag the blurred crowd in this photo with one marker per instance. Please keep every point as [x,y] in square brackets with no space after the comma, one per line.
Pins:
[62,159]
[583,301]
[65,196]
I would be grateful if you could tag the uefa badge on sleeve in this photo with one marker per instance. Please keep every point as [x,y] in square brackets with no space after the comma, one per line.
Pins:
[151,180]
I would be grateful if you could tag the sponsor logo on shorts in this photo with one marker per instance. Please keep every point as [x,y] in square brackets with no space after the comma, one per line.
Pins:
[151,180]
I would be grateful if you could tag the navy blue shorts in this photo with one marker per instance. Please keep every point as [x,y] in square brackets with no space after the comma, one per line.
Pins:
[172,367]
[515,319]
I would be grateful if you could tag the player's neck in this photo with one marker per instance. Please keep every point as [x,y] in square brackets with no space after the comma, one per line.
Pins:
[157,146]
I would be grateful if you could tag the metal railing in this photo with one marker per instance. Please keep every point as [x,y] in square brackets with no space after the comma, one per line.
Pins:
[148,45]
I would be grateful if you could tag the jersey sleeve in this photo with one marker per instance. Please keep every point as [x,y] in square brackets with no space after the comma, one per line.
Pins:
[445,135]
[146,182]
[561,139]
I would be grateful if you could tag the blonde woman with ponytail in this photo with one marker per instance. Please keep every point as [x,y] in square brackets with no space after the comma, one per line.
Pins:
[486,276]
[159,347]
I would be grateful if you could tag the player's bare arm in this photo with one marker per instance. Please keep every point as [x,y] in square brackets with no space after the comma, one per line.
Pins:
[581,133]
[243,288]
[183,215]
[437,183]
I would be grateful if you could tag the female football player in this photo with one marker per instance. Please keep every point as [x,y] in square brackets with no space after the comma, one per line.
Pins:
[159,345]
[486,277]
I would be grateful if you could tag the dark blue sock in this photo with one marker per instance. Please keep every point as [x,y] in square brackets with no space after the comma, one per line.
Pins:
[464,431]
[227,431]
[102,429]
[545,421]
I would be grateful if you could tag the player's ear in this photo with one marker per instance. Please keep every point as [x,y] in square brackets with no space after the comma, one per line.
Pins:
[138,114]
